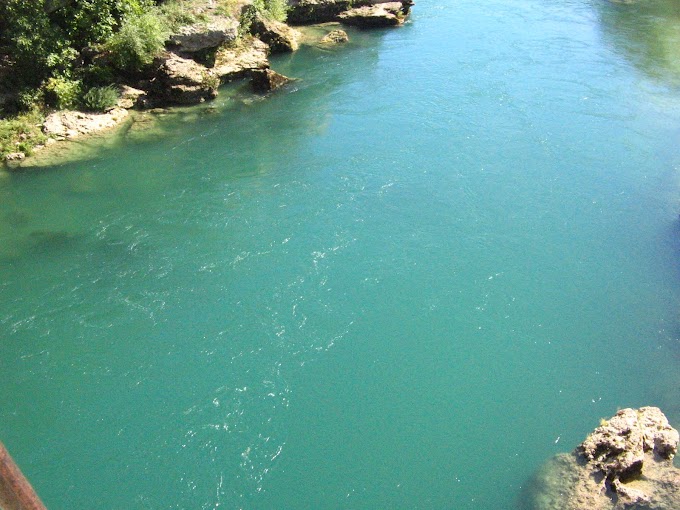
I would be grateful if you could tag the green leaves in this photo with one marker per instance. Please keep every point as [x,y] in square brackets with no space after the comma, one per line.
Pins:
[140,39]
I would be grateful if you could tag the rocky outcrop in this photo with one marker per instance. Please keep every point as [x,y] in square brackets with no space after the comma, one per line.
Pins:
[278,36]
[265,80]
[233,63]
[374,16]
[625,464]
[69,124]
[182,81]
[335,37]
[199,38]
[363,13]
[130,97]
[15,156]
[302,12]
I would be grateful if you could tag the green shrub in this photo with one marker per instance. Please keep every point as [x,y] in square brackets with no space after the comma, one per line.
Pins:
[62,92]
[140,39]
[28,99]
[43,37]
[100,99]
[273,9]
[96,75]
[270,9]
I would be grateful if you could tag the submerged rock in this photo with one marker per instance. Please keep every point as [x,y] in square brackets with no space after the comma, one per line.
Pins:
[335,37]
[265,80]
[370,16]
[626,463]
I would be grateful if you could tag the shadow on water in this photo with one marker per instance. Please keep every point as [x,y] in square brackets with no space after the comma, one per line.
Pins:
[646,33]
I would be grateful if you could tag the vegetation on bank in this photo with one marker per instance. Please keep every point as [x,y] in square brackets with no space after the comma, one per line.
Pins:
[71,54]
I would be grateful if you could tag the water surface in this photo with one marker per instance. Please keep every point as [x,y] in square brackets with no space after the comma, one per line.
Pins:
[403,282]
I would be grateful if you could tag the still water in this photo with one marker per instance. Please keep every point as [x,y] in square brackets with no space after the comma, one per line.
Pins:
[434,261]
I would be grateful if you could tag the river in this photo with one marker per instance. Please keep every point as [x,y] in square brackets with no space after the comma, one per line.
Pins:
[405,281]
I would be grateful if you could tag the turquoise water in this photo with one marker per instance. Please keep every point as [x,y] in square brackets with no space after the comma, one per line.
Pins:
[437,259]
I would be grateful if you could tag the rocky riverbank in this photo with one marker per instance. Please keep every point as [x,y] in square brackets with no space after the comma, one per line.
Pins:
[625,463]
[200,57]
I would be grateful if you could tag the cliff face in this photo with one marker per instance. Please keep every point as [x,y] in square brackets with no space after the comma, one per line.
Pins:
[625,463]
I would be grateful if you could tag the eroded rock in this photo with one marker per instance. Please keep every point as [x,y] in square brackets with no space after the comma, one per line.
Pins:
[130,97]
[264,80]
[373,16]
[278,36]
[71,124]
[625,463]
[15,156]
[302,12]
[199,38]
[238,62]
[182,81]
[335,37]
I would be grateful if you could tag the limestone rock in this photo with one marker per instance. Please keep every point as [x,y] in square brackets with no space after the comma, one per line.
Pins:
[198,38]
[278,36]
[70,124]
[379,15]
[182,81]
[265,80]
[15,156]
[303,12]
[335,37]
[130,97]
[625,463]
[239,62]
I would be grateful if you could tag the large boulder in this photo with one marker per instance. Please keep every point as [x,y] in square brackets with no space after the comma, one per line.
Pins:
[625,463]
[182,81]
[130,97]
[278,36]
[198,38]
[265,80]
[370,16]
[335,37]
[232,63]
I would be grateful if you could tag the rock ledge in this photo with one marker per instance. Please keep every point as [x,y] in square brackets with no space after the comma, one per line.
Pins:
[626,463]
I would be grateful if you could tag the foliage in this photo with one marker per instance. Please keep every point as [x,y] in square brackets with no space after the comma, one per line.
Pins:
[28,97]
[271,9]
[100,99]
[140,39]
[44,37]
[21,133]
[62,92]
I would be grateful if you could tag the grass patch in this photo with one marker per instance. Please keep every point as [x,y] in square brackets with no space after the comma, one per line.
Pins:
[21,133]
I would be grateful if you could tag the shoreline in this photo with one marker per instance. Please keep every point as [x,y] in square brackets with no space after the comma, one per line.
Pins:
[198,61]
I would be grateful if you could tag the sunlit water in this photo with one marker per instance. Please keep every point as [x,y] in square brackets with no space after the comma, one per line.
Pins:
[405,281]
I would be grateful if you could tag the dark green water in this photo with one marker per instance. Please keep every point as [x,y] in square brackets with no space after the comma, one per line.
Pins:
[404,282]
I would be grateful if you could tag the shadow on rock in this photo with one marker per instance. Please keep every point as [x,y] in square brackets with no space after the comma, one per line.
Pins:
[625,463]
